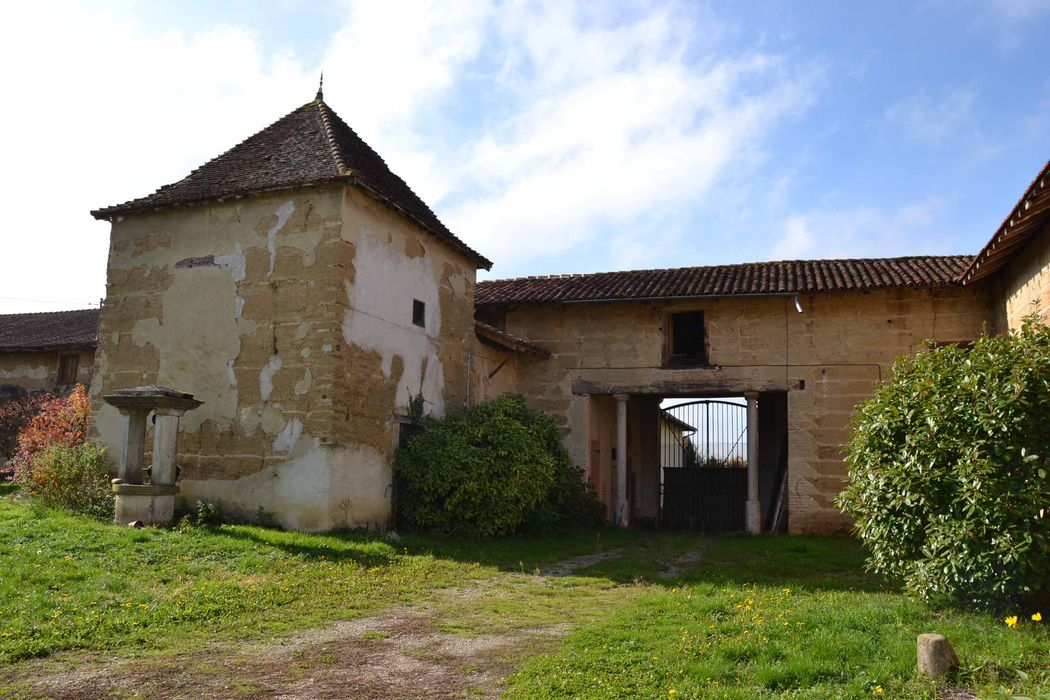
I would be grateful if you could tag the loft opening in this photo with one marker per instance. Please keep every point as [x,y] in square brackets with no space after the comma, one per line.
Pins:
[686,339]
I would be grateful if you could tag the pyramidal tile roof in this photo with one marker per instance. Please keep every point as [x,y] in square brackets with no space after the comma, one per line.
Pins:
[309,146]
[766,278]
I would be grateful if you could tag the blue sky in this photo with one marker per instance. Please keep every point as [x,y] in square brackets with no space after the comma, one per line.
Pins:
[553,137]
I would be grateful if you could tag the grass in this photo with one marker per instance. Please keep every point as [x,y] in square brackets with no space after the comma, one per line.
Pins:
[72,583]
[779,617]
[749,618]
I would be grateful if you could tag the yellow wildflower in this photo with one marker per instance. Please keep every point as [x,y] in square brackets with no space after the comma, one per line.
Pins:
[672,693]
[879,690]
[1037,617]
[1011,621]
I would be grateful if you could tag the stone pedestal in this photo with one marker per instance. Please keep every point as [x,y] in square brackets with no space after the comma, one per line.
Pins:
[144,502]
[153,502]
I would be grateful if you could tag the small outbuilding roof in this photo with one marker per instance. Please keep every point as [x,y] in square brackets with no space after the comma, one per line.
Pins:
[766,278]
[310,146]
[507,341]
[55,330]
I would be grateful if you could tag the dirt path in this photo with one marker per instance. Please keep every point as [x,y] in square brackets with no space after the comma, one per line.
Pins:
[401,653]
[683,562]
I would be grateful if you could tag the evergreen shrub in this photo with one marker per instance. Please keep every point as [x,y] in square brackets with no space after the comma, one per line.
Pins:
[948,470]
[497,468]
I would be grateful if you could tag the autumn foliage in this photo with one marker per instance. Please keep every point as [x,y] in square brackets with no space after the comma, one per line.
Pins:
[60,422]
[15,415]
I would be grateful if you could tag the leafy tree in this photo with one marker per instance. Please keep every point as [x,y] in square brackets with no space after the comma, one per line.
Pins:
[948,470]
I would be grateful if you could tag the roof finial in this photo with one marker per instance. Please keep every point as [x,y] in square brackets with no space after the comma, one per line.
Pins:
[320,88]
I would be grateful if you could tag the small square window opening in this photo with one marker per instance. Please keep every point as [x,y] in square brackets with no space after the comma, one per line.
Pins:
[419,313]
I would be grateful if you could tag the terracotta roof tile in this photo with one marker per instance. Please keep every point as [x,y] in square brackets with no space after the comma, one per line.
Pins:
[782,277]
[507,340]
[309,146]
[56,330]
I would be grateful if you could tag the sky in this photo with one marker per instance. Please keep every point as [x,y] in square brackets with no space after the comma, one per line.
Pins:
[553,137]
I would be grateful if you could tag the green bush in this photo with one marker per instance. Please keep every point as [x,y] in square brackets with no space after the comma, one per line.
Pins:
[496,468]
[948,467]
[73,477]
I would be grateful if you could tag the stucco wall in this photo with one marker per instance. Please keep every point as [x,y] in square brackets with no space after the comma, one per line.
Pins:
[22,372]
[486,359]
[286,315]
[1026,282]
[386,263]
[837,348]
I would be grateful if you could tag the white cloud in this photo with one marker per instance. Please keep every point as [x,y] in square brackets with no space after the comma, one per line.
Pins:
[912,229]
[1019,10]
[933,118]
[583,123]
[797,241]
[1008,24]
[100,110]
[614,125]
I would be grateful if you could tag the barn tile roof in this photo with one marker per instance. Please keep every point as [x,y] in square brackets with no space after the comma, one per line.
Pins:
[783,277]
[310,146]
[1028,217]
[56,330]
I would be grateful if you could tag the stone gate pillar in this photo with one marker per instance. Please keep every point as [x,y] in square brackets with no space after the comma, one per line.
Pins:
[753,513]
[622,514]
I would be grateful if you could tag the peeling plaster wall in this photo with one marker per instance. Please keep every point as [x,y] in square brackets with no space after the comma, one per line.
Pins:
[290,316]
[839,347]
[233,302]
[386,263]
[23,372]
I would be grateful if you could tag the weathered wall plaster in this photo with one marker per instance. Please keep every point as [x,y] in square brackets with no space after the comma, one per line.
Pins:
[290,316]
[385,263]
[22,372]
[211,300]
[379,316]
[1026,283]
[483,360]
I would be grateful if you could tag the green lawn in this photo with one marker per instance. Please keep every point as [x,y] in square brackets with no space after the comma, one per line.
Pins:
[68,582]
[780,617]
[748,617]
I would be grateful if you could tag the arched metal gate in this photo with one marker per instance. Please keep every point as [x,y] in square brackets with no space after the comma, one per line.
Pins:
[703,465]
